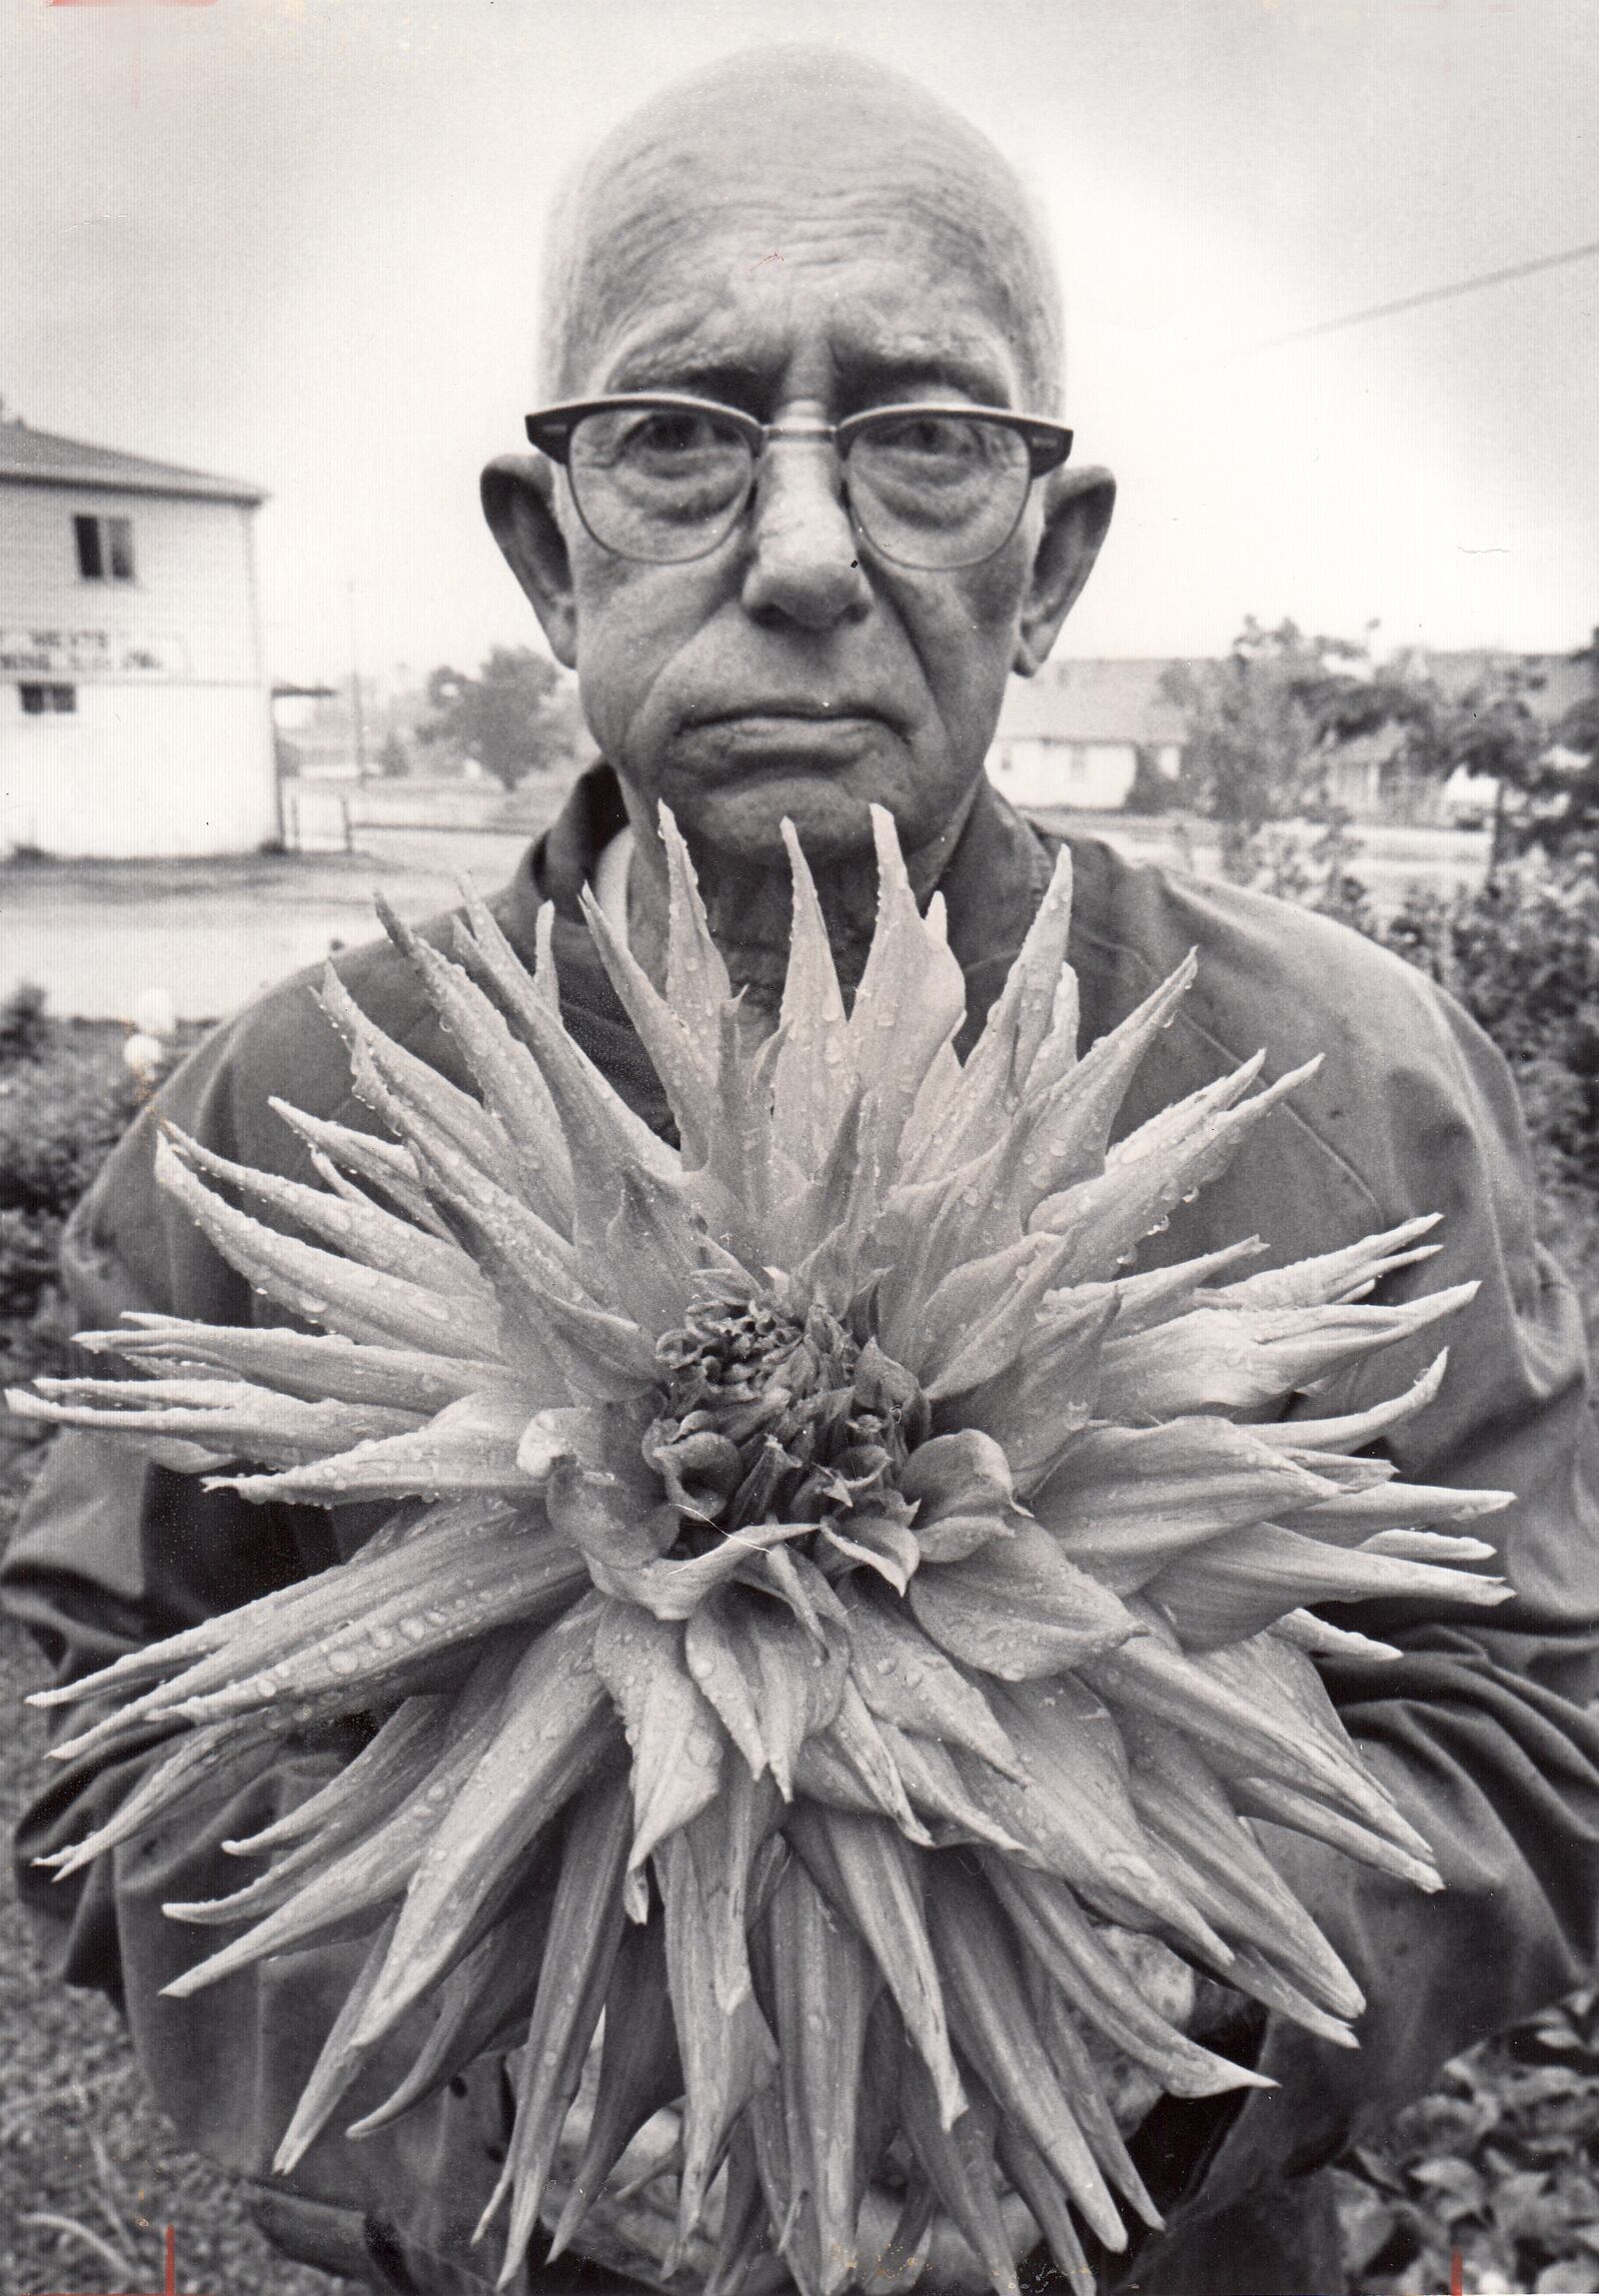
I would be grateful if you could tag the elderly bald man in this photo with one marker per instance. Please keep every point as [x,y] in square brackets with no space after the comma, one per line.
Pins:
[800,504]
[844,635]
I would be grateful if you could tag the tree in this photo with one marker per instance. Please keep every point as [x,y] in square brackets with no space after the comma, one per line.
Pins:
[1395,707]
[1269,725]
[1249,757]
[1549,790]
[1494,730]
[1150,791]
[514,717]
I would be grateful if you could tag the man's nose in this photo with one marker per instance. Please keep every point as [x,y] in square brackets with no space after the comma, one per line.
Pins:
[802,563]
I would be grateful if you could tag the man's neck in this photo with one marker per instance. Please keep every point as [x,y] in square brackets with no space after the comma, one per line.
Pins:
[750,905]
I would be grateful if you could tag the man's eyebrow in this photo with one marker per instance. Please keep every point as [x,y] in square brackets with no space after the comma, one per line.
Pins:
[703,373]
[869,374]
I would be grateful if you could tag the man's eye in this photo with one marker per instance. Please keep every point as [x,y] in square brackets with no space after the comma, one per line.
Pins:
[934,439]
[667,433]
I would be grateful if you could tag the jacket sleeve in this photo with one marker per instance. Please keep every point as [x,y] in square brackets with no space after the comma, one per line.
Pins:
[1485,1726]
[111,1553]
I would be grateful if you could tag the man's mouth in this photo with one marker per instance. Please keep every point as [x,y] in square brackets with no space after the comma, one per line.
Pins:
[784,712]
[782,737]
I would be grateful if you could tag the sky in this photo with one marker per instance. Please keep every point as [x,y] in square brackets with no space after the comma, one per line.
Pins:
[295,241]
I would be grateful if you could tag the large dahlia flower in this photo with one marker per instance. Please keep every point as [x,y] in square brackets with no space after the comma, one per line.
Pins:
[829,1601]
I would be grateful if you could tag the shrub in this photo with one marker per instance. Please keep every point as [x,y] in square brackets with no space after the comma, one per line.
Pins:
[65,1095]
[24,1030]
[1522,956]
[1495,2166]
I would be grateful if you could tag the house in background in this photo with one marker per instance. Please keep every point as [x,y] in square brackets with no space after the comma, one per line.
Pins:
[135,715]
[1071,736]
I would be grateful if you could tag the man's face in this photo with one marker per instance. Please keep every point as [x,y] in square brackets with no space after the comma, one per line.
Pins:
[790,673]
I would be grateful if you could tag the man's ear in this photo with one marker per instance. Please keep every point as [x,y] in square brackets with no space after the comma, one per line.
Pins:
[1077,518]
[518,493]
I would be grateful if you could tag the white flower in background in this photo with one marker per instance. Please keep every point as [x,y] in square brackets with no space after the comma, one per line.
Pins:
[147,1049]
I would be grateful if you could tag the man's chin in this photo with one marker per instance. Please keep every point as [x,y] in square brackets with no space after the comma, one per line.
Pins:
[745,824]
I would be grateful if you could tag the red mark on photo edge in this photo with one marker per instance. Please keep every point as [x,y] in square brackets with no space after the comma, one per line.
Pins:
[169,2286]
[132,3]
[1457,2273]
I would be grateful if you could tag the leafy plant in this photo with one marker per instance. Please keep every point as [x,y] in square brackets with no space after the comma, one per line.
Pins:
[65,1095]
[1497,2164]
[1496,2161]
[514,717]
[24,1030]
[1522,953]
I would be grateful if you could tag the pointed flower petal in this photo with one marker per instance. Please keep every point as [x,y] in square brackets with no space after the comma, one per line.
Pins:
[1019,1608]
[676,1741]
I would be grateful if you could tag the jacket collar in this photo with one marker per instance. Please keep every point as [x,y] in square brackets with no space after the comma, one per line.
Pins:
[992,885]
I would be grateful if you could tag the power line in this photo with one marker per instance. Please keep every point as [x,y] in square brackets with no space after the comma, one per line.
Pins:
[1436,295]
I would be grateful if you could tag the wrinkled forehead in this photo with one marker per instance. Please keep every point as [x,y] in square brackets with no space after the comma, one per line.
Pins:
[698,252]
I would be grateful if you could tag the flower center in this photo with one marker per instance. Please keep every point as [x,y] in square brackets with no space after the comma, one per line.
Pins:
[771,1415]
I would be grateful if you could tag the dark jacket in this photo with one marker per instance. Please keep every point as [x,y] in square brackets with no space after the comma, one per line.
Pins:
[1479,1728]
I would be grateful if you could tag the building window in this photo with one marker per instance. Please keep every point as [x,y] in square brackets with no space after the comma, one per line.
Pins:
[48,701]
[105,548]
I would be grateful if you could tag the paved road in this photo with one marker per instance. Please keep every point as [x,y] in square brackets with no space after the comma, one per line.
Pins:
[212,936]
[95,936]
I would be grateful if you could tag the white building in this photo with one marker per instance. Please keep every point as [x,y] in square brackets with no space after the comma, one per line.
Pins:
[1071,736]
[135,715]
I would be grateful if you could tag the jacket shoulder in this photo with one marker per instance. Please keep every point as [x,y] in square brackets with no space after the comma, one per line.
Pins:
[1270,973]
[283,1046]
[1411,1109]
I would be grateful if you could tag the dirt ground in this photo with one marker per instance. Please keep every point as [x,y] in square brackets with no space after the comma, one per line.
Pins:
[97,935]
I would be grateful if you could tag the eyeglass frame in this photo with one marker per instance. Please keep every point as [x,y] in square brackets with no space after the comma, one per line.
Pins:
[1049,445]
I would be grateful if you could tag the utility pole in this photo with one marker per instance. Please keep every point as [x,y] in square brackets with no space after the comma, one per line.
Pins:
[356,698]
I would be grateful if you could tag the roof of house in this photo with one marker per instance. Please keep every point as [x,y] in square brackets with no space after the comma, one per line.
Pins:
[1094,701]
[1561,680]
[1125,701]
[41,459]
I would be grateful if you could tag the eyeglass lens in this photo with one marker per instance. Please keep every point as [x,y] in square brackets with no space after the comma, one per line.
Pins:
[666,485]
